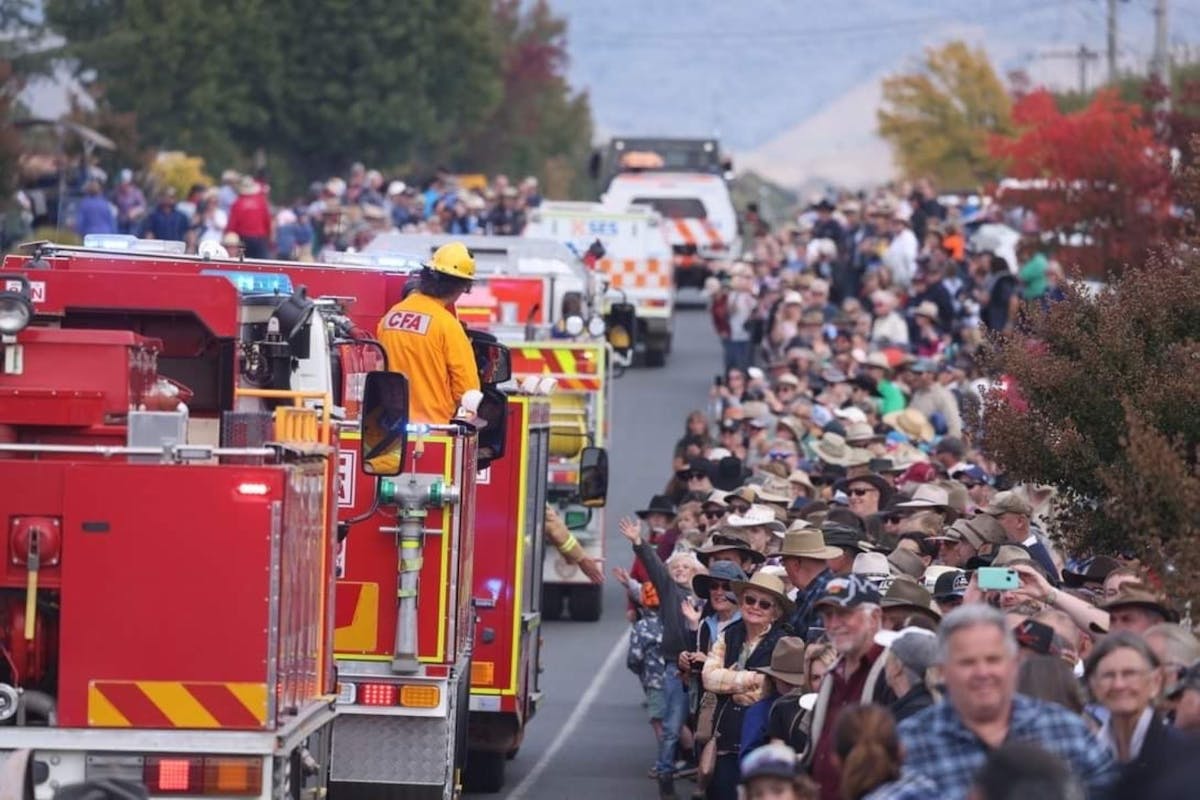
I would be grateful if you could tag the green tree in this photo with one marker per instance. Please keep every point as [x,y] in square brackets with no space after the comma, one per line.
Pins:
[307,85]
[938,118]
[539,126]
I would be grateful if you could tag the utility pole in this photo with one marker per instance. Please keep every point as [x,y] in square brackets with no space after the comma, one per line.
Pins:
[1160,66]
[1112,41]
[1082,55]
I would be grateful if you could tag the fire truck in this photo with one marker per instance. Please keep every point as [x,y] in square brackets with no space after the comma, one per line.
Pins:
[504,691]
[521,284]
[169,528]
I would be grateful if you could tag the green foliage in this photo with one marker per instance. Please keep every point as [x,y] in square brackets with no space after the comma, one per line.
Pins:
[776,204]
[306,85]
[939,117]
[1106,391]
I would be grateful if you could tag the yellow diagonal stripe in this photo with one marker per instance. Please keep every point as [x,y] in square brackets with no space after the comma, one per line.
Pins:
[178,705]
[566,361]
[102,713]
[254,695]
[532,353]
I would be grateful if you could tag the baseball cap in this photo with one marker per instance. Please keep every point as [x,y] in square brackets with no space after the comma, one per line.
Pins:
[851,591]
[951,585]
[1035,636]
[915,648]
[1188,679]
[775,760]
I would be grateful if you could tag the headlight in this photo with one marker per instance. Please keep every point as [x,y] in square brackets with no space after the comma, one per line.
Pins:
[15,313]
[595,327]
[574,325]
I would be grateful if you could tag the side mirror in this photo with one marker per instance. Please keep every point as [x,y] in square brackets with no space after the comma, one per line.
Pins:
[493,409]
[384,423]
[593,477]
[492,359]
[622,327]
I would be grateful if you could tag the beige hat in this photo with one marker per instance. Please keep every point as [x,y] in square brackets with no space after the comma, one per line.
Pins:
[775,490]
[832,449]
[988,528]
[858,433]
[909,594]
[801,477]
[787,661]
[912,423]
[872,566]
[793,424]
[769,584]
[877,359]
[1008,503]
[927,308]
[807,542]
[1009,554]
[905,562]
[927,496]
[756,516]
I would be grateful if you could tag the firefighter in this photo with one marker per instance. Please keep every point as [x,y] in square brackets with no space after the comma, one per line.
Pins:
[566,543]
[424,339]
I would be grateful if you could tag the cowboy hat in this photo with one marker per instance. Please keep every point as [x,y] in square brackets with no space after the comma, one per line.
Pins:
[659,504]
[720,571]
[832,449]
[859,433]
[800,477]
[787,661]
[878,481]
[768,584]
[1095,572]
[908,594]
[927,496]
[807,542]
[1139,595]
[926,308]
[877,360]
[911,423]
[905,562]
[719,543]
[757,516]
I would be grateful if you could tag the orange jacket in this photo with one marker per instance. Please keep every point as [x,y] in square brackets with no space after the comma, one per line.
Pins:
[426,342]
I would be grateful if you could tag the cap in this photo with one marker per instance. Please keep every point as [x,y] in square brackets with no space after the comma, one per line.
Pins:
[1188,679]
[775,760]
[871,566]
[1008,503]
[1035,636]
[851,591]
[951,585]
[915,648]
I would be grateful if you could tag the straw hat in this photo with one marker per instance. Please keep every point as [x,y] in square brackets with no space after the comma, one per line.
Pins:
[911,423]
[769,584]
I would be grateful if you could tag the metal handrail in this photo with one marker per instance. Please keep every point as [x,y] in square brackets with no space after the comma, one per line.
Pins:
[175,452]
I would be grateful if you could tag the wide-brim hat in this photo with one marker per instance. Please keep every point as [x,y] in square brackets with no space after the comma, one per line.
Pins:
[878,481]
[833,449]
[659,504]
[721,571]
[1138,595]
[719,543]
[908,594]
[757,516]
[927,497]
[911,423]
[787,660]
[859,433]
[807,543]
[729,474]
[769,584]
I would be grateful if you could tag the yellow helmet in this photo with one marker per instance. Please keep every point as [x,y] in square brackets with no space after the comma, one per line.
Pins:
[455,260]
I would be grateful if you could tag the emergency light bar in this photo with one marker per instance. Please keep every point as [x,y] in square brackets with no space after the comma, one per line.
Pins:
[248,283]
[123,242]
[381,261]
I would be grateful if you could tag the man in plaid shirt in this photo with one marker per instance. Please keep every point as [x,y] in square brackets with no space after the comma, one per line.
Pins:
[950,742]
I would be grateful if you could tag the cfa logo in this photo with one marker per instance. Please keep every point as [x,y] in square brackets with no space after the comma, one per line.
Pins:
[408,321]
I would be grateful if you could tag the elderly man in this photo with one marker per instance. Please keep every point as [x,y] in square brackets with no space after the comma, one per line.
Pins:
[803,556]
[852,616]
[950,742]
[1013,513]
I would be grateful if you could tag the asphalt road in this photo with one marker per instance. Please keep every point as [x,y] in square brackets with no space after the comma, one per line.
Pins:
[591,737]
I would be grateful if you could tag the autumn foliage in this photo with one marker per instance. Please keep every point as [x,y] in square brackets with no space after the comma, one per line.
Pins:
[1097,178]
[1110,385]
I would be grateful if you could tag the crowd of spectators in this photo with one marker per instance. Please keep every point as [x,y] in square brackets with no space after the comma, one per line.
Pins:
[837,595]
[339,214]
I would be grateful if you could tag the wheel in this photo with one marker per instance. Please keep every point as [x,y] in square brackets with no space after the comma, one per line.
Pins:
[585,603]
[656,357]
[485,772]
[552,601]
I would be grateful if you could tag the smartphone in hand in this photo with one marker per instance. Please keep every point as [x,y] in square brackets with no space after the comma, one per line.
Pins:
[997,579]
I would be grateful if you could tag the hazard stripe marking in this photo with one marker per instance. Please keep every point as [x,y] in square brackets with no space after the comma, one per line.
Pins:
[134,705]
[226,707]
[178,704]
[102,713]
[685,231]
[253,696]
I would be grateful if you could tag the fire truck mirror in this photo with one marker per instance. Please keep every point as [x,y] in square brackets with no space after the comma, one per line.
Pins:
[493,409]
[621,320]
[384,423]
[492,359]
[593,477]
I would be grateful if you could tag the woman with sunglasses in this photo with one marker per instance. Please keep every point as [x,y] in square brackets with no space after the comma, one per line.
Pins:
[729,671]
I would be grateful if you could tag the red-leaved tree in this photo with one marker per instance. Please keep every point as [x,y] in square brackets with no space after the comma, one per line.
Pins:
[1097,178]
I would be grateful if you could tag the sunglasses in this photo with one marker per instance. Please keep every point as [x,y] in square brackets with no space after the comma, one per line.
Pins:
[739,509]
[893,519]
[762,602]
[691,476]
[719,586]
[714,514]
[860,492]
[779,455]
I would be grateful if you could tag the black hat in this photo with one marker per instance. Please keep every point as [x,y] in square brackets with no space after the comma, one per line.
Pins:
[730,474]
[951,585]
[659,504]
[878,481]
[702,465]
[1095,572]
[1035,636]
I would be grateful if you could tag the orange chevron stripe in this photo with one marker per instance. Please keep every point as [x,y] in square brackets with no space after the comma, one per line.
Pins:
[177,704]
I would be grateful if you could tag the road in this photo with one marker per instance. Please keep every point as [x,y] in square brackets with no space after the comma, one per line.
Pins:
[603,748]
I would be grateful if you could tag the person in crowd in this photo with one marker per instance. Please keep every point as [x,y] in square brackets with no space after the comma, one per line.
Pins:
[949,742]
[729,671]
[1021,770]
[165,221]
[94,214]
[870,757]
[772,772]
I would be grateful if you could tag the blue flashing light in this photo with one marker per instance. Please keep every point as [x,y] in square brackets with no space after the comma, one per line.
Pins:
[255,282]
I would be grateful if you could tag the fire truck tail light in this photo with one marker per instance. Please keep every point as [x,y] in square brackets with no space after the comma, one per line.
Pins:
[347,693]
[253,489]
[483,672]
[377,694]
[420,696]
[230,775]
[173,775]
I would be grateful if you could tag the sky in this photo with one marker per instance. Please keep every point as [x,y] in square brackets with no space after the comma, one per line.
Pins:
[798,80]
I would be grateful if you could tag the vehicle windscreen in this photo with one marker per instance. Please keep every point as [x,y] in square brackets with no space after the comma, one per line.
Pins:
[674,207]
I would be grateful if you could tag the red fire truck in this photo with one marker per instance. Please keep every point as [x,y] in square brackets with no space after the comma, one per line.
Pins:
[169,530]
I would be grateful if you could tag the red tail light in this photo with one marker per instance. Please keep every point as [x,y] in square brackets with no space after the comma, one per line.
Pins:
[377,694]
[173,775]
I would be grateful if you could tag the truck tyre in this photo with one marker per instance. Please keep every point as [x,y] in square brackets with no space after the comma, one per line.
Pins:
[485,772]
[585,603]
[552,601]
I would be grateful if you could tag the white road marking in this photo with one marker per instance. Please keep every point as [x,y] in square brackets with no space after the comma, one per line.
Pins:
[581,709]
